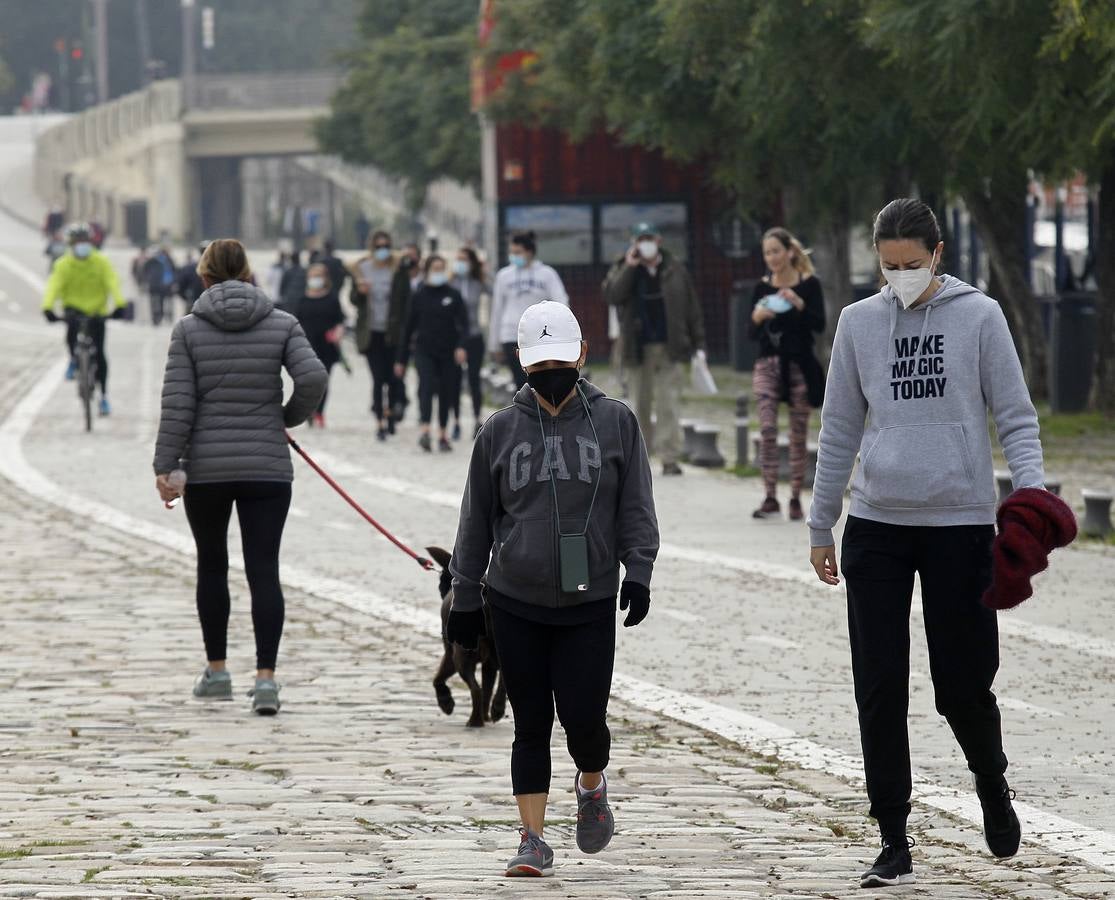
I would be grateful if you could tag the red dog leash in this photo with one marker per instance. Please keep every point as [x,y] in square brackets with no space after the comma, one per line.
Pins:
[426,564]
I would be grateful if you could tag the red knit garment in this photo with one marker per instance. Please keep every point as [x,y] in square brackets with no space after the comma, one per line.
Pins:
[1032,523]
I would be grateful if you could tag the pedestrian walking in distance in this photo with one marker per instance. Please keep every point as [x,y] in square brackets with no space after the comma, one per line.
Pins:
[524,281]
[380,294]
[471,283]
[914,371]
[787,309]
[323,320]
[437,325]
[558,496]
[662,327]
[222,423]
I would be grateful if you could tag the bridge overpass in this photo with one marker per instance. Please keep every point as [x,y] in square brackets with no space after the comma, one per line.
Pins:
[177,164]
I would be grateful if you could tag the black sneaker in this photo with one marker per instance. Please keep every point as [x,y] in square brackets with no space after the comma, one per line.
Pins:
[1001,827]
[381,434]
[444,446]
[893,866]
[671,468]
[456,431]
[769,510]
[425,443]
[390,424]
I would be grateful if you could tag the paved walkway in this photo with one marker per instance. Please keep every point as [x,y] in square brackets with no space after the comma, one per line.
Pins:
[113,783]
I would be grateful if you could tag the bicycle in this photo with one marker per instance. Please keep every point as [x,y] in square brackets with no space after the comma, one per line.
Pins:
[85,353]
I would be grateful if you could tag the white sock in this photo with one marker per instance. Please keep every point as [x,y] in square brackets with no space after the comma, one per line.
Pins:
[584,790]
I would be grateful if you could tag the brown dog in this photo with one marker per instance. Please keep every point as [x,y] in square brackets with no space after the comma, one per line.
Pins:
[489,698]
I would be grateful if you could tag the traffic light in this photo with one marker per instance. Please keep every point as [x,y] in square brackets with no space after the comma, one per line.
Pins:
[76,52]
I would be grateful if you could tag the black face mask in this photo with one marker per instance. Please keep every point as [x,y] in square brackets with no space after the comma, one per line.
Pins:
[554,385]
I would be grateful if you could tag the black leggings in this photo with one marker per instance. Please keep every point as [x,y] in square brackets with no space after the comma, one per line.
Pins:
[511,356]
[97,333]
[474,346]
[381,363]
[954,563]
[435,376]
[569,664]
[261,507]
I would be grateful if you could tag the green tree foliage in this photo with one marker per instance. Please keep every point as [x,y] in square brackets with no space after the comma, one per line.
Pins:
[405,104]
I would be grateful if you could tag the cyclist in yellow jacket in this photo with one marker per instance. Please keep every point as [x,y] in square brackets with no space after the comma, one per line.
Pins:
[85,282]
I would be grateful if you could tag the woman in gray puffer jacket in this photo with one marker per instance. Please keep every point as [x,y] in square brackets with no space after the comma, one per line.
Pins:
[223,422]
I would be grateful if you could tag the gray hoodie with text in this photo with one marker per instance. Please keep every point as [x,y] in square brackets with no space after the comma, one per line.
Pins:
[508,537]
[909,392]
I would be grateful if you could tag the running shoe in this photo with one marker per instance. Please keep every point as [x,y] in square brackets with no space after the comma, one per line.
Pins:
[103,408]
[265,697]
[769,510]
[425,443]
[71,370]
[381,434]
[671,468]
[444,446]
[535,859]
[796,514]
[212,685]
[894,866]
[595,824]
[456,431]
[1001,827]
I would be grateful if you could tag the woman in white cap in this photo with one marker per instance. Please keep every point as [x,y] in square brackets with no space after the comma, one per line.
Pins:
[558,495]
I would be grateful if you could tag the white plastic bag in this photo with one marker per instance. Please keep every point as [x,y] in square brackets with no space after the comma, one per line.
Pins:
[703,382]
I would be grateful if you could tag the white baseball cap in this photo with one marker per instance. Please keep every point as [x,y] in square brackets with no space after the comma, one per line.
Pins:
[549,330]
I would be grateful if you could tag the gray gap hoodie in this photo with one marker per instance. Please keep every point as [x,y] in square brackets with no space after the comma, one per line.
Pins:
[909,391]
[507,536]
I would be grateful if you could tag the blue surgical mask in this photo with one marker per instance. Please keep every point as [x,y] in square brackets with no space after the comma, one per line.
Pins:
[462,267]
[82,249]
[382,253]
[436,279]
[518,260]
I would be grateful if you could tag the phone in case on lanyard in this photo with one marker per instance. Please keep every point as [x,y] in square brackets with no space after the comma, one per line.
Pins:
[573,561]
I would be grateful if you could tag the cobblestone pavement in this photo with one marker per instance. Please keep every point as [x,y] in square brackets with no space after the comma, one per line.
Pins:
[113,783]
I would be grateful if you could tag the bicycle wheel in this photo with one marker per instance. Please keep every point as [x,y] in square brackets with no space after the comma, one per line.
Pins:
[85,378]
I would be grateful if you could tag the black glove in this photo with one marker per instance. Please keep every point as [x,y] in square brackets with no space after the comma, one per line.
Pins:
[637,596]
[119,313]
[465,628]
[50,315]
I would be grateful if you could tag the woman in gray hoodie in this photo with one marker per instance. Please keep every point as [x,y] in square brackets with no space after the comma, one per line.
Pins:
[914,372]
[223,423]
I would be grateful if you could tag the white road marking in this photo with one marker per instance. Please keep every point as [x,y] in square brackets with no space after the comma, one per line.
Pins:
[677,615]
[145,405]
[1047,830]
[1032,709]
[31,277]
[780,643]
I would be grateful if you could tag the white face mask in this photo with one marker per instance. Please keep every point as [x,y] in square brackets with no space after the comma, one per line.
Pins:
[909,284]
[82,249]
[316,283]
[437,279]
[648,250]
[462,267]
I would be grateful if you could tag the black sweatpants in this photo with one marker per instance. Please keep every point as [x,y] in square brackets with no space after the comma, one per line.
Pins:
[262,509]
[381,363]
[569,664]
[511,355]
[436,375]
[474,347]
[954,563]
[97,333]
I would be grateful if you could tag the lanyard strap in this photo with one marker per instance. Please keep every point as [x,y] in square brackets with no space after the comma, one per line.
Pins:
[553,480]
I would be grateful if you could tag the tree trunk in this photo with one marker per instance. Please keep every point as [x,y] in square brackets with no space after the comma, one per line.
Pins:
[1103,383]
[832,258]
[1000,215]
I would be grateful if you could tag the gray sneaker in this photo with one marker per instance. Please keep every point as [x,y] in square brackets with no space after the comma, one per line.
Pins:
[265,697]
[595,825]
[535,859]
[213,685]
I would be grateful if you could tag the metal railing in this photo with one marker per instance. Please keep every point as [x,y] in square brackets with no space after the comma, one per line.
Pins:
[265,91]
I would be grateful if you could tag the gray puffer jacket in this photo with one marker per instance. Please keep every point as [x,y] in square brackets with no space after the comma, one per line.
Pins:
[223,413]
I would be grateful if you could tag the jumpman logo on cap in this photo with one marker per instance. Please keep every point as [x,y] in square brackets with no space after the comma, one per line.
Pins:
[545,332]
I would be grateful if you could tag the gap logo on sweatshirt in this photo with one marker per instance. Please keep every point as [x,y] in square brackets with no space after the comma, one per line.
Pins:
[519,472]
[918,372]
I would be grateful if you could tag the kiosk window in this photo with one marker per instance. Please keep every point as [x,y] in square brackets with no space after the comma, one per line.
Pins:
[564,231]
[617,220]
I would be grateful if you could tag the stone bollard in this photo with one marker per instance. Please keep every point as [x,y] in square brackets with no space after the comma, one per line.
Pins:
[1006,486]
[687,444]
[742,404]
[1053,485]
[705,452]
[1097,513]
[741,441]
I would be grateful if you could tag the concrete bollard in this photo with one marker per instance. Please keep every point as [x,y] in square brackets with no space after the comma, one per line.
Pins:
[1053,485]
[1006,486]
[705,452]
[742,430]
[742,404]
[1097,513]
[687,445]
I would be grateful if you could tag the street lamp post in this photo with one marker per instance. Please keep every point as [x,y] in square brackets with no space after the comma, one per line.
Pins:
[189,54]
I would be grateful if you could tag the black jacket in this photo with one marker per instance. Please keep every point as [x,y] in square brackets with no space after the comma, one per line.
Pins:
[318,316]
[437,322]
[789,336]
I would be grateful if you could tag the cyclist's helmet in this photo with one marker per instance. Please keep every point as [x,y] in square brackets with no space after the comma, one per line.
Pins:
[78,231]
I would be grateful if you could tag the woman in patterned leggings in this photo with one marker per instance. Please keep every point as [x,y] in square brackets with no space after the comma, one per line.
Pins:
[787,309]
